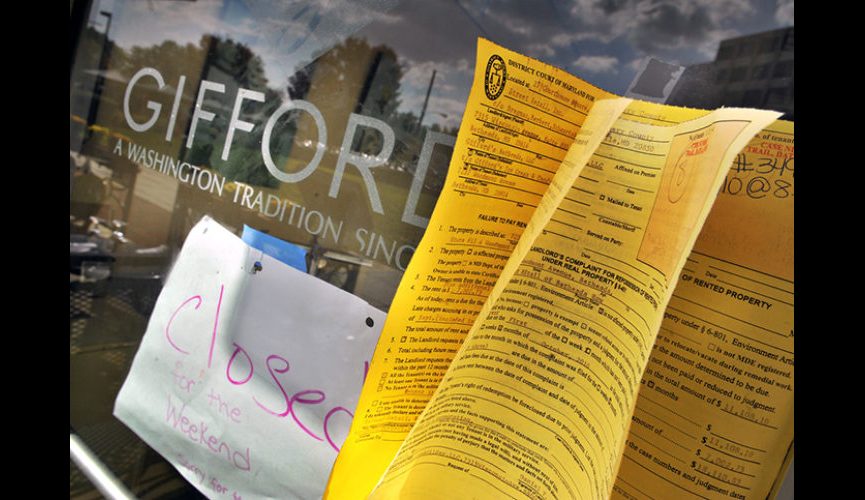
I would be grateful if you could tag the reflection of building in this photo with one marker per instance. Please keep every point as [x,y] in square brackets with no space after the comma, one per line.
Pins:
[752,71]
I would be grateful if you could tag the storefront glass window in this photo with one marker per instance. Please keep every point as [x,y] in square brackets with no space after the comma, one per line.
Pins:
[329,125]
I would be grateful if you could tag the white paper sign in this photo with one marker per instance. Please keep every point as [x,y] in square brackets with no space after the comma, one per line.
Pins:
[246,380]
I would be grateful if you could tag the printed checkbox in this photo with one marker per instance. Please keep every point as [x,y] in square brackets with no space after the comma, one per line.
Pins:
[712,347]
[651,384]
[402,339]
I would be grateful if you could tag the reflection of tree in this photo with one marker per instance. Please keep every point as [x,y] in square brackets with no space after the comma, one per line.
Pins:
[237,66]
[156,56]
[368,82]
[376,92]
[352,76]
[225,61]
[373,90]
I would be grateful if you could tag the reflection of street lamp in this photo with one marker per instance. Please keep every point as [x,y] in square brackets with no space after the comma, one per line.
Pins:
[100,75]
[103,59]
[426,99]
[107,23]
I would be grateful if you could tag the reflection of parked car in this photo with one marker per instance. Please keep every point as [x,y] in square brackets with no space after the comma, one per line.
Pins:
[104,260]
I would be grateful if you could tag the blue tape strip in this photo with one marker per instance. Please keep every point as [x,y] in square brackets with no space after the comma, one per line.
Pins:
[283,251]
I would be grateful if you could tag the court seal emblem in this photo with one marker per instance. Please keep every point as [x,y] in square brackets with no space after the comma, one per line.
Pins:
[495,77]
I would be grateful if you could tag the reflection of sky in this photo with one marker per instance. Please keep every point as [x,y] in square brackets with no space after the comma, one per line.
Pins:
[602,41]
[285,34]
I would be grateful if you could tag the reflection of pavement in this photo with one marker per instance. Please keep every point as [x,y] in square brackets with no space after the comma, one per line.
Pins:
[107,322]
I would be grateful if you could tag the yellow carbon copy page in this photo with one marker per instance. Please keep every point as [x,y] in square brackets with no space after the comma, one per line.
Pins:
[714,414]
[537,402]
[509,146]
[520,119]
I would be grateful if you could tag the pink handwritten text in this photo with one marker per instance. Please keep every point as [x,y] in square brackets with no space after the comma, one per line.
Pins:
[182,382]
[239,370]
[199,474]
[198,433]
[222,407]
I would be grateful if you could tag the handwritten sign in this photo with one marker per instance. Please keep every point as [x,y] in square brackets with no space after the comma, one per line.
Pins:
[248,374]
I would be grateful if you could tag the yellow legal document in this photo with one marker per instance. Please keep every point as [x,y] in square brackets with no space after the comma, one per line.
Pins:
[520,120]
[548,262]
[714,416]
